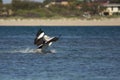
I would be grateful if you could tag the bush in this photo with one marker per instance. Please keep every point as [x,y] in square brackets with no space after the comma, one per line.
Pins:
[37,13]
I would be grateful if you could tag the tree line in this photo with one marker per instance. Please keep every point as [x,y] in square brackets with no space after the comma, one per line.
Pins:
[30,8]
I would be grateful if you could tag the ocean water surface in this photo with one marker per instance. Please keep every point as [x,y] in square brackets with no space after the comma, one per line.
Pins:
[82,53]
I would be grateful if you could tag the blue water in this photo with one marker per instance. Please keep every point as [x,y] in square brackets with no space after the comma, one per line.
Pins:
[82,53]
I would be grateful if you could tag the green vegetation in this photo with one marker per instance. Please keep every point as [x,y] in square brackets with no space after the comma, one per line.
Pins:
[32,9]
[115,1]
[1,3]
[24,4]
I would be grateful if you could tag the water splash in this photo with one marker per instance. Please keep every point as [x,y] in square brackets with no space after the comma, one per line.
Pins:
[53,51]
[28,50]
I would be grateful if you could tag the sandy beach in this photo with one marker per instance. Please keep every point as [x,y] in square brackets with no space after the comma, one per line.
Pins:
[59,22]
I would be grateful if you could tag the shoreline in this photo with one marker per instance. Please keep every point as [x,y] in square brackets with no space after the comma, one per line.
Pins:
[60,22]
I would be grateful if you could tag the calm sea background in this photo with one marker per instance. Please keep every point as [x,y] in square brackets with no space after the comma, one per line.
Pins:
[82,53]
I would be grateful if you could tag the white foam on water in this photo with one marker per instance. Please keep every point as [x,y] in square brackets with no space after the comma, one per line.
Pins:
[29,50]
[53,51]
[26,50]
[45,52]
